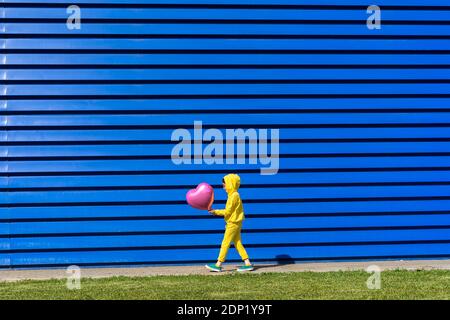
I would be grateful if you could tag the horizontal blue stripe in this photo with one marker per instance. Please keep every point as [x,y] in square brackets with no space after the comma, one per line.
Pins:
[215,239]
[220,196]
[227,14]
[36,228]
[241,29]
[277,193]
[227,104]
[228,44]
[187,121]
[327,208]
[152,135]
[230,74]
[215,179]
[227,59]
[154,165]
[225,89]
[210,254]
[252,2]
[285,148]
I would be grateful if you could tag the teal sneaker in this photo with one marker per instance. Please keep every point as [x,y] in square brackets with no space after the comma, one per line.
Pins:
[245,268]
[213,267]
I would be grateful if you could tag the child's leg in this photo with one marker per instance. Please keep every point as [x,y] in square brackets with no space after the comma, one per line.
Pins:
[240,248]
[229,236]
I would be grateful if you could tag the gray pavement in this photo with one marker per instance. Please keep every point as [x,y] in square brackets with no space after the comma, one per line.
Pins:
[16,275]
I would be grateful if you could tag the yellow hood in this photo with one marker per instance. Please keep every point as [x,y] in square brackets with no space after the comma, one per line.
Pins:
[232,182]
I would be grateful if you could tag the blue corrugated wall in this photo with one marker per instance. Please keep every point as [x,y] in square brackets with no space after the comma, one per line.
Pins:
[87,116]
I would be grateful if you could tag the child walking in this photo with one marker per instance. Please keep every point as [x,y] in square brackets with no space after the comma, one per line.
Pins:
[233,215]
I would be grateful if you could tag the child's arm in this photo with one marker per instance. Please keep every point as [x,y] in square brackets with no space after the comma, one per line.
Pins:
[229,207]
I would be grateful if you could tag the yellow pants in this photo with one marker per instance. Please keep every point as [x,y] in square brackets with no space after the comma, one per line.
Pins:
[232,234]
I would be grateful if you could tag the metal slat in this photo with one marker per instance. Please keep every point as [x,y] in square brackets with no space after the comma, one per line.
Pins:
[61,243]
[225,14]
[251,3]
[191,225]
[370,61]
[228,44]
[230,120]
[327,164]
[155,136]
[118,75]
[201,255]
[43,29]
[249,180]
[329,208]
[303,194]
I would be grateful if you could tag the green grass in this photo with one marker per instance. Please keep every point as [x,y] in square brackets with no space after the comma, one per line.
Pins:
[302,285]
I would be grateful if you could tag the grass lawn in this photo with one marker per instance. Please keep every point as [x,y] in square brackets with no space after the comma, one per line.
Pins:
[301,285]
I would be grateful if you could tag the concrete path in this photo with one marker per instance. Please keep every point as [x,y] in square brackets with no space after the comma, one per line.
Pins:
[15,275]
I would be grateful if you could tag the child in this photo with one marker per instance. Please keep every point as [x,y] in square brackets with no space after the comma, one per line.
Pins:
[233,215]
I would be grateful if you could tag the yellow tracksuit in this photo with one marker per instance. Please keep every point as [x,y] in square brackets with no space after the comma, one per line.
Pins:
[233,215]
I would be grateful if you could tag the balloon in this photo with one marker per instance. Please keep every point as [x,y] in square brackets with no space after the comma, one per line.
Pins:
[201,197]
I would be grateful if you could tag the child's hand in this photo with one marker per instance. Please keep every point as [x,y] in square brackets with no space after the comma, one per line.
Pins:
[212,211]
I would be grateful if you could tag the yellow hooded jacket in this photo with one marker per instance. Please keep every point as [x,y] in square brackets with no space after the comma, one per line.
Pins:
[234,211]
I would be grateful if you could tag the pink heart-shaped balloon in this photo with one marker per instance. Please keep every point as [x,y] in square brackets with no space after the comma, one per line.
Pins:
[201,197]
